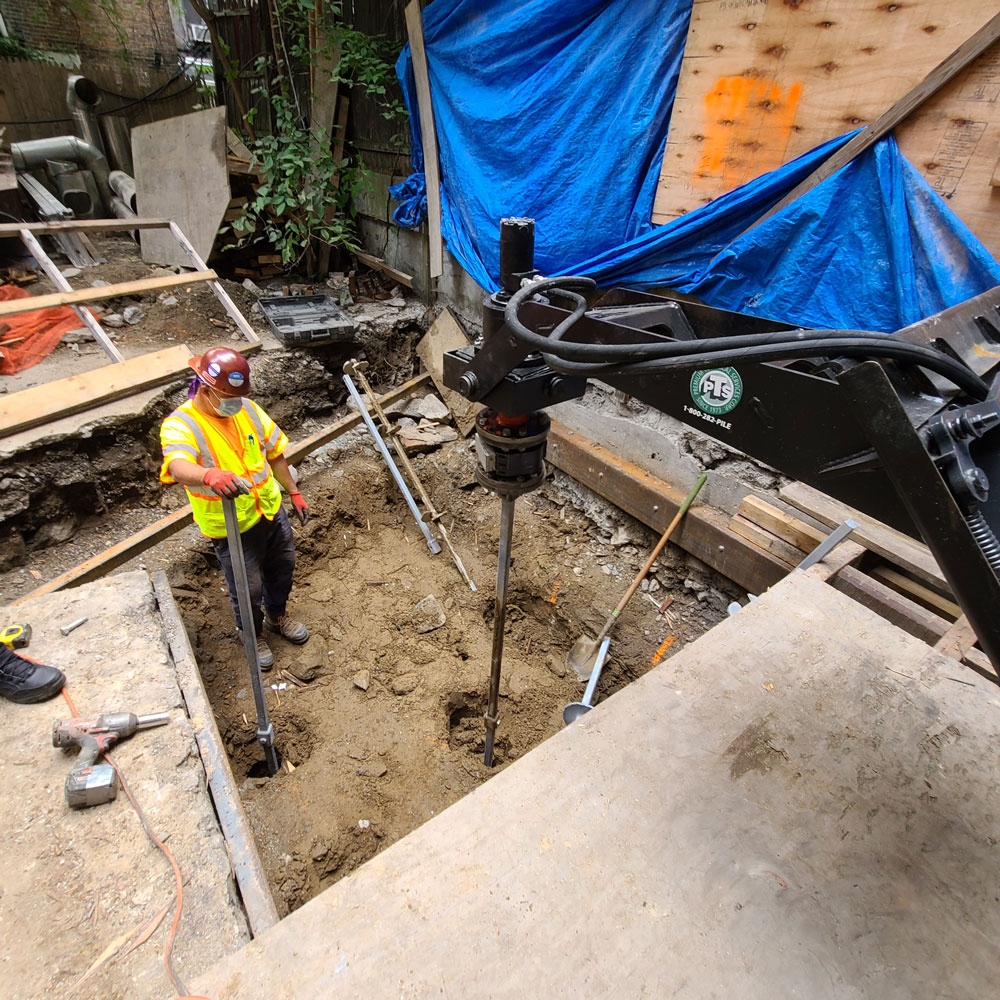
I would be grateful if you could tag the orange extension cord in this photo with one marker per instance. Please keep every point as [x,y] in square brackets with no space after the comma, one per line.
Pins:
[181,990]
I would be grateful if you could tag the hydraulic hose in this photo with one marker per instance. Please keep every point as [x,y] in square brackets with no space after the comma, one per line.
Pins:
[596,360]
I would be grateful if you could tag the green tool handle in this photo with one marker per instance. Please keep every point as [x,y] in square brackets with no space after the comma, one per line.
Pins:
[664,538]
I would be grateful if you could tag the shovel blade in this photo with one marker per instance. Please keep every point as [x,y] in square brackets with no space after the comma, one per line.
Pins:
[582,656]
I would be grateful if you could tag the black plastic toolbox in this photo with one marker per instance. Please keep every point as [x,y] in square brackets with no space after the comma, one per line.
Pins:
[307,319]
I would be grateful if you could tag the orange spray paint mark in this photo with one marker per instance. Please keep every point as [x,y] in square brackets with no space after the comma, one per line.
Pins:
[555,590]
[748,121]
[664,646]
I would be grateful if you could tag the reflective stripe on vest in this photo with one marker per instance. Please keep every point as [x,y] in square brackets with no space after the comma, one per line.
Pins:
[207,459]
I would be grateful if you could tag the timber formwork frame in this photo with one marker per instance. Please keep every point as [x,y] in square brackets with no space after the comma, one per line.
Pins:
[28,233]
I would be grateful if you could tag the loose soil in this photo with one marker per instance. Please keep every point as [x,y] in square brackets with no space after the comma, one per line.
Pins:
[389,729]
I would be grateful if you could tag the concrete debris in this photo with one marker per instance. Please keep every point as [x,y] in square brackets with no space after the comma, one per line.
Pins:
[557,666]
[99,283]
[168,300]
[372,771]
[404,683]
[427,615]
[113,320]
[133,315]
[70,272]
[396,303]
[429,408]
[251,287]
[362,679]
[426,437]
[54,532]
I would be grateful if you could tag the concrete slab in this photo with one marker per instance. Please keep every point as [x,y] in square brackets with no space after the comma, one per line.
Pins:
[803,803]
[75,884]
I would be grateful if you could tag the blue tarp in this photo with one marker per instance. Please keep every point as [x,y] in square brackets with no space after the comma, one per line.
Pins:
[560,112]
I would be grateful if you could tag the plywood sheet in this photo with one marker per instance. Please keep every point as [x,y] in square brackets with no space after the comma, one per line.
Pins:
[763,82]
[180,174]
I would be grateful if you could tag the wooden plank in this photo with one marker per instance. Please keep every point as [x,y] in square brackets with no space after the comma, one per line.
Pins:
[42,403]
[82,226]
[942,74]
[958,640]
[761,83]
[892,545]
[116,555]
[920,593]
[378,264]
[181,174]
[764,540]
[120,553]
[445,334]
[104,292]
[894,607]
[954,141]
[799,534]
[704,531]
[428,133]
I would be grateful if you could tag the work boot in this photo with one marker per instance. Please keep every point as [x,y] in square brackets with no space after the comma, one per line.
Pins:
[264,655]
[288,628]
[25,682]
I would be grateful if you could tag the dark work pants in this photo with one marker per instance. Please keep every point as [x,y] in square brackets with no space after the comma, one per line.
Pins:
[269,554]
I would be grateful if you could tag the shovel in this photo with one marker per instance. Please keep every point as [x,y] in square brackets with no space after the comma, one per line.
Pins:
[582,655]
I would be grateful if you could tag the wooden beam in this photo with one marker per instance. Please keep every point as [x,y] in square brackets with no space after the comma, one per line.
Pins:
[103,292]
[82,226]
[120,553]
[958,640]
[942,74]
[117,555]
[428,135]
[920,593]
[42,403]
[56,277]
[377,264]
[790,529]
[763,539]
[887,542]
[704,531]
[220,293]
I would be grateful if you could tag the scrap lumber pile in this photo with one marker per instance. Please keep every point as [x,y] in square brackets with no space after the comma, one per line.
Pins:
[881,568]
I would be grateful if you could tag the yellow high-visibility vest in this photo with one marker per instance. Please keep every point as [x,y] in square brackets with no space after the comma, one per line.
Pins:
[240,444]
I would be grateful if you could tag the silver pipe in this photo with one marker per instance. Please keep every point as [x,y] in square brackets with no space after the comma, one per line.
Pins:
[82,97]
[123,185]
[499,616]
[432,543]
[117,143]
[32,154]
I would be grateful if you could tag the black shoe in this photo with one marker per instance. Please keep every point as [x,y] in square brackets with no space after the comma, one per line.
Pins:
[25,682]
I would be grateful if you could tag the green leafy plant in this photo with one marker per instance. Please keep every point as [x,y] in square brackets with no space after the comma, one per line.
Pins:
[306,195]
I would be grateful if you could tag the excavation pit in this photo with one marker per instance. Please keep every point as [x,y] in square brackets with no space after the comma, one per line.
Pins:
[386,729]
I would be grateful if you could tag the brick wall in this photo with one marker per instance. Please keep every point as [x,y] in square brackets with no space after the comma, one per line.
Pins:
[81,26]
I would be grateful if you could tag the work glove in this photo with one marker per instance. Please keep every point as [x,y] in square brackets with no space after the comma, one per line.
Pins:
[225,484]
[301,507]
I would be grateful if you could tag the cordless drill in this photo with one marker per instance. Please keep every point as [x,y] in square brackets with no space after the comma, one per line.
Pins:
[90,784]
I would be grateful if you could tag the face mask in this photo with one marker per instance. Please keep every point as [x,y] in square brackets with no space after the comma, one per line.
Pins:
[225,406]
[229,406]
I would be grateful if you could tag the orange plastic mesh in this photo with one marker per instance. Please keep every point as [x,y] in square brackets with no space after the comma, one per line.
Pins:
[26,338]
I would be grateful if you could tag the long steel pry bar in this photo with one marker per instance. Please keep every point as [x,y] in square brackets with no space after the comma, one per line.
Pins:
[265,729]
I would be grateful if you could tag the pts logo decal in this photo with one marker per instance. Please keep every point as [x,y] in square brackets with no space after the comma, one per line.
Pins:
[716,390]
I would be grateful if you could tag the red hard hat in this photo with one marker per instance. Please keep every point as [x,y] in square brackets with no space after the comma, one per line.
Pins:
[224,369]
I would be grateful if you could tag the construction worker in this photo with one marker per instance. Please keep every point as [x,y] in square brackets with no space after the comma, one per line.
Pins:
[222,444]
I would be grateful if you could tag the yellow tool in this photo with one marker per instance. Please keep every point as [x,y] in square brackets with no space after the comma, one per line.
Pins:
[16,636]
